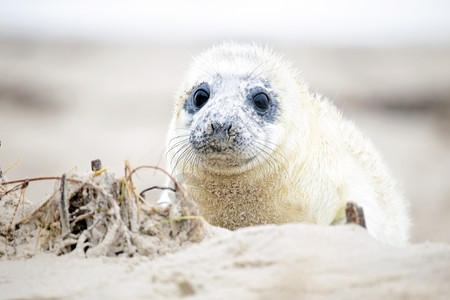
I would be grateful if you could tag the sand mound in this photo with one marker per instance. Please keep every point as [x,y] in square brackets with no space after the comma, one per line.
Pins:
[291,261]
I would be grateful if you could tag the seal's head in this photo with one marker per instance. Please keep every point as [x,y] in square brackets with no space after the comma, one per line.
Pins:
[228,119]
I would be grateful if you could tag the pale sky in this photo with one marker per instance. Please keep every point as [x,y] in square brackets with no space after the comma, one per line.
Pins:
[360,22]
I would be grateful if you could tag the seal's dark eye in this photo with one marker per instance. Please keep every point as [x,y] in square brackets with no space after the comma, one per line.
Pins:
[261,102]
[200,98]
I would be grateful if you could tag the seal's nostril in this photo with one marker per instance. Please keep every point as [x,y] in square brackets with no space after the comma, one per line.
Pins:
[216,128]
[209,129]
[220,130]
[229,129]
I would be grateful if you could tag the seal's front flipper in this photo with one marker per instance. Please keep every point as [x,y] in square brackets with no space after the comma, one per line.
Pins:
[355,214]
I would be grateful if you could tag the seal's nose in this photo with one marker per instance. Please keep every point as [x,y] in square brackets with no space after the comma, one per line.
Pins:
[220,129]
[221,134]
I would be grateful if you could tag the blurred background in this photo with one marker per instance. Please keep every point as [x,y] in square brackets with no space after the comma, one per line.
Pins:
[81,80]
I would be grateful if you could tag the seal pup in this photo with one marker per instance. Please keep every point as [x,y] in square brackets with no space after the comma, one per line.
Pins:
[253,146]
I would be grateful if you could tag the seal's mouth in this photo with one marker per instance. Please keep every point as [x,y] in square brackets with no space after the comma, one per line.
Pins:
[226,163]
[228,148]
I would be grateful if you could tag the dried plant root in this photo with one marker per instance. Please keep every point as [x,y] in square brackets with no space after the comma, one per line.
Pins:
[97,214]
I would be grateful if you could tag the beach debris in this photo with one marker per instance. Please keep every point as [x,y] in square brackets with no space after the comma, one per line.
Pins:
[97,214]
[96,165]
[355,214]
[63,208]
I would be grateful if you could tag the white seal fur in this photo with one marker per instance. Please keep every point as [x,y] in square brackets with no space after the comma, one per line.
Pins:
[253,146]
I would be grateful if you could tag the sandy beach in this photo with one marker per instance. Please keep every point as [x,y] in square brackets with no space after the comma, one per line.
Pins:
[266,262]
[64,103]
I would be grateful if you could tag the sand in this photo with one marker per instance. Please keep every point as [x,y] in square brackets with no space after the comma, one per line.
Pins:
[63,104]
[267,262]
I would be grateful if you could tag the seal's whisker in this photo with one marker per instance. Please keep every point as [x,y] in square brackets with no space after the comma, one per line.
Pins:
[260,74]
[181,129]
[207,68]
[277,147]
[253,71]
[177,144]
[179,158]
[172,144]
[255,161]
[279,154]
[178,137]
[271,158]
[187,159]
[181,146]
[194,162]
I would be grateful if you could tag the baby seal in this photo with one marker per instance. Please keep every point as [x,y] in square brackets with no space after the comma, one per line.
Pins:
[253,146]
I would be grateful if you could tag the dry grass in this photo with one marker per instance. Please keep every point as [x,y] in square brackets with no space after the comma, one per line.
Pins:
[96,214]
